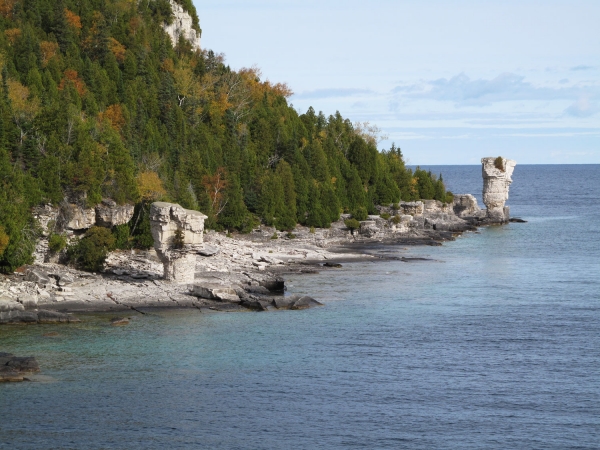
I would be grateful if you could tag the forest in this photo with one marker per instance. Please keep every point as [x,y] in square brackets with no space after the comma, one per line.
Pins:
[97,102]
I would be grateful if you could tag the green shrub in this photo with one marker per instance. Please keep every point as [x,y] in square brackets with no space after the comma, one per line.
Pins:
[352,224]
[90,252]
[179,239]
[360,213]
[395,206]
[385,216]
[141,233]
[396,219]
[275,236]
[290,235]
[122,238]
[312,230]
[57,242]
[499,163]
[449,197]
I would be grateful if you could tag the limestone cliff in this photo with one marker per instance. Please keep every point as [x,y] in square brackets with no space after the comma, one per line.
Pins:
[182,25]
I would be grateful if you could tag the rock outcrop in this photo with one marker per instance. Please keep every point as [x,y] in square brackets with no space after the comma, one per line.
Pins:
[78,218]
[182,25]
[109,214]
[412,208]
[465,205]
[497,174]
[169,223]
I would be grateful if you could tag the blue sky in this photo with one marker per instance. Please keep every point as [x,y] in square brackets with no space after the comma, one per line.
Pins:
[448,81]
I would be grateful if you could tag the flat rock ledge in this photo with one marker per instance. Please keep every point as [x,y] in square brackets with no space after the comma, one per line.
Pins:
[42,316]
[254,298]
[14,368]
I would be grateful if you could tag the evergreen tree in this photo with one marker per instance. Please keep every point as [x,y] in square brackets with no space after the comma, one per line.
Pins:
[93,95]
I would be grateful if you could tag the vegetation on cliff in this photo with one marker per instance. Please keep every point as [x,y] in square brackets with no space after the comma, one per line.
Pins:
[95,101]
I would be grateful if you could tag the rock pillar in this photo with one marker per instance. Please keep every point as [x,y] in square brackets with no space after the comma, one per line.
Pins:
[497,174]
[177,233]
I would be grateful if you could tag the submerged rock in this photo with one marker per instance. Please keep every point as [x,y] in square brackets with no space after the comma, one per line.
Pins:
[14,368]
[119,321]
[295,302]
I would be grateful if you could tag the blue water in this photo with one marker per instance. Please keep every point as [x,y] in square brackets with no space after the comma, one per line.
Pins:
[495,344]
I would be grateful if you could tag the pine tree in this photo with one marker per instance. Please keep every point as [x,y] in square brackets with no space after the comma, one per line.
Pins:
[288,217]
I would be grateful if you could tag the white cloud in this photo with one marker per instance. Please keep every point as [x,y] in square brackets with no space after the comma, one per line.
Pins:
[463,91]
[583,107]
[332,93]
[582,67]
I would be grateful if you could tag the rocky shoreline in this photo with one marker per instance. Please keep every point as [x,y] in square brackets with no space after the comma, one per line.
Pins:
[213,271]
[242,272]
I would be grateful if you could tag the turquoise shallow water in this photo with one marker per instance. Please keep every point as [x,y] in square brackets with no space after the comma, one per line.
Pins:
[495,344]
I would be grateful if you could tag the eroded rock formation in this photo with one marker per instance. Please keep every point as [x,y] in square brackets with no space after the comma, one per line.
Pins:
[182,25]
[170,223]
[497,174]
[465,205]
[109,214]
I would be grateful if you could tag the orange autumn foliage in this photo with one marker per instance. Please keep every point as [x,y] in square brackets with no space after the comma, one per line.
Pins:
[168,65]
[71,76]
[48,50]
[114,114]
[73,19]
[134,24]
[215,186]
[117,49]
[4,240]
[12,35]
[7,7]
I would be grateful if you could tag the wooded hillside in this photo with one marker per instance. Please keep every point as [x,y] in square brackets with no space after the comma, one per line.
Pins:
[95,102]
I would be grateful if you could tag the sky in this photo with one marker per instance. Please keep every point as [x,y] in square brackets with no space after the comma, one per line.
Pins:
[448,81]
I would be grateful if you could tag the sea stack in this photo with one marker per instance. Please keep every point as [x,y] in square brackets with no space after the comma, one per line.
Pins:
[178,235]
[497,174]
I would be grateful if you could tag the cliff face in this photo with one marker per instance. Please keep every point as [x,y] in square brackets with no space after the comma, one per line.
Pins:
[496,181]
[182,25]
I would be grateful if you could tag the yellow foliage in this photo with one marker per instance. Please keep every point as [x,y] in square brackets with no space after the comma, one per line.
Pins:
[48,50]
[168,65]
[150,186]
[24,108]
[4,240]
[12,35]
[117,49]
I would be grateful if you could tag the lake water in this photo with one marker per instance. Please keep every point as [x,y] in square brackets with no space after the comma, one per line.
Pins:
[495,344]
